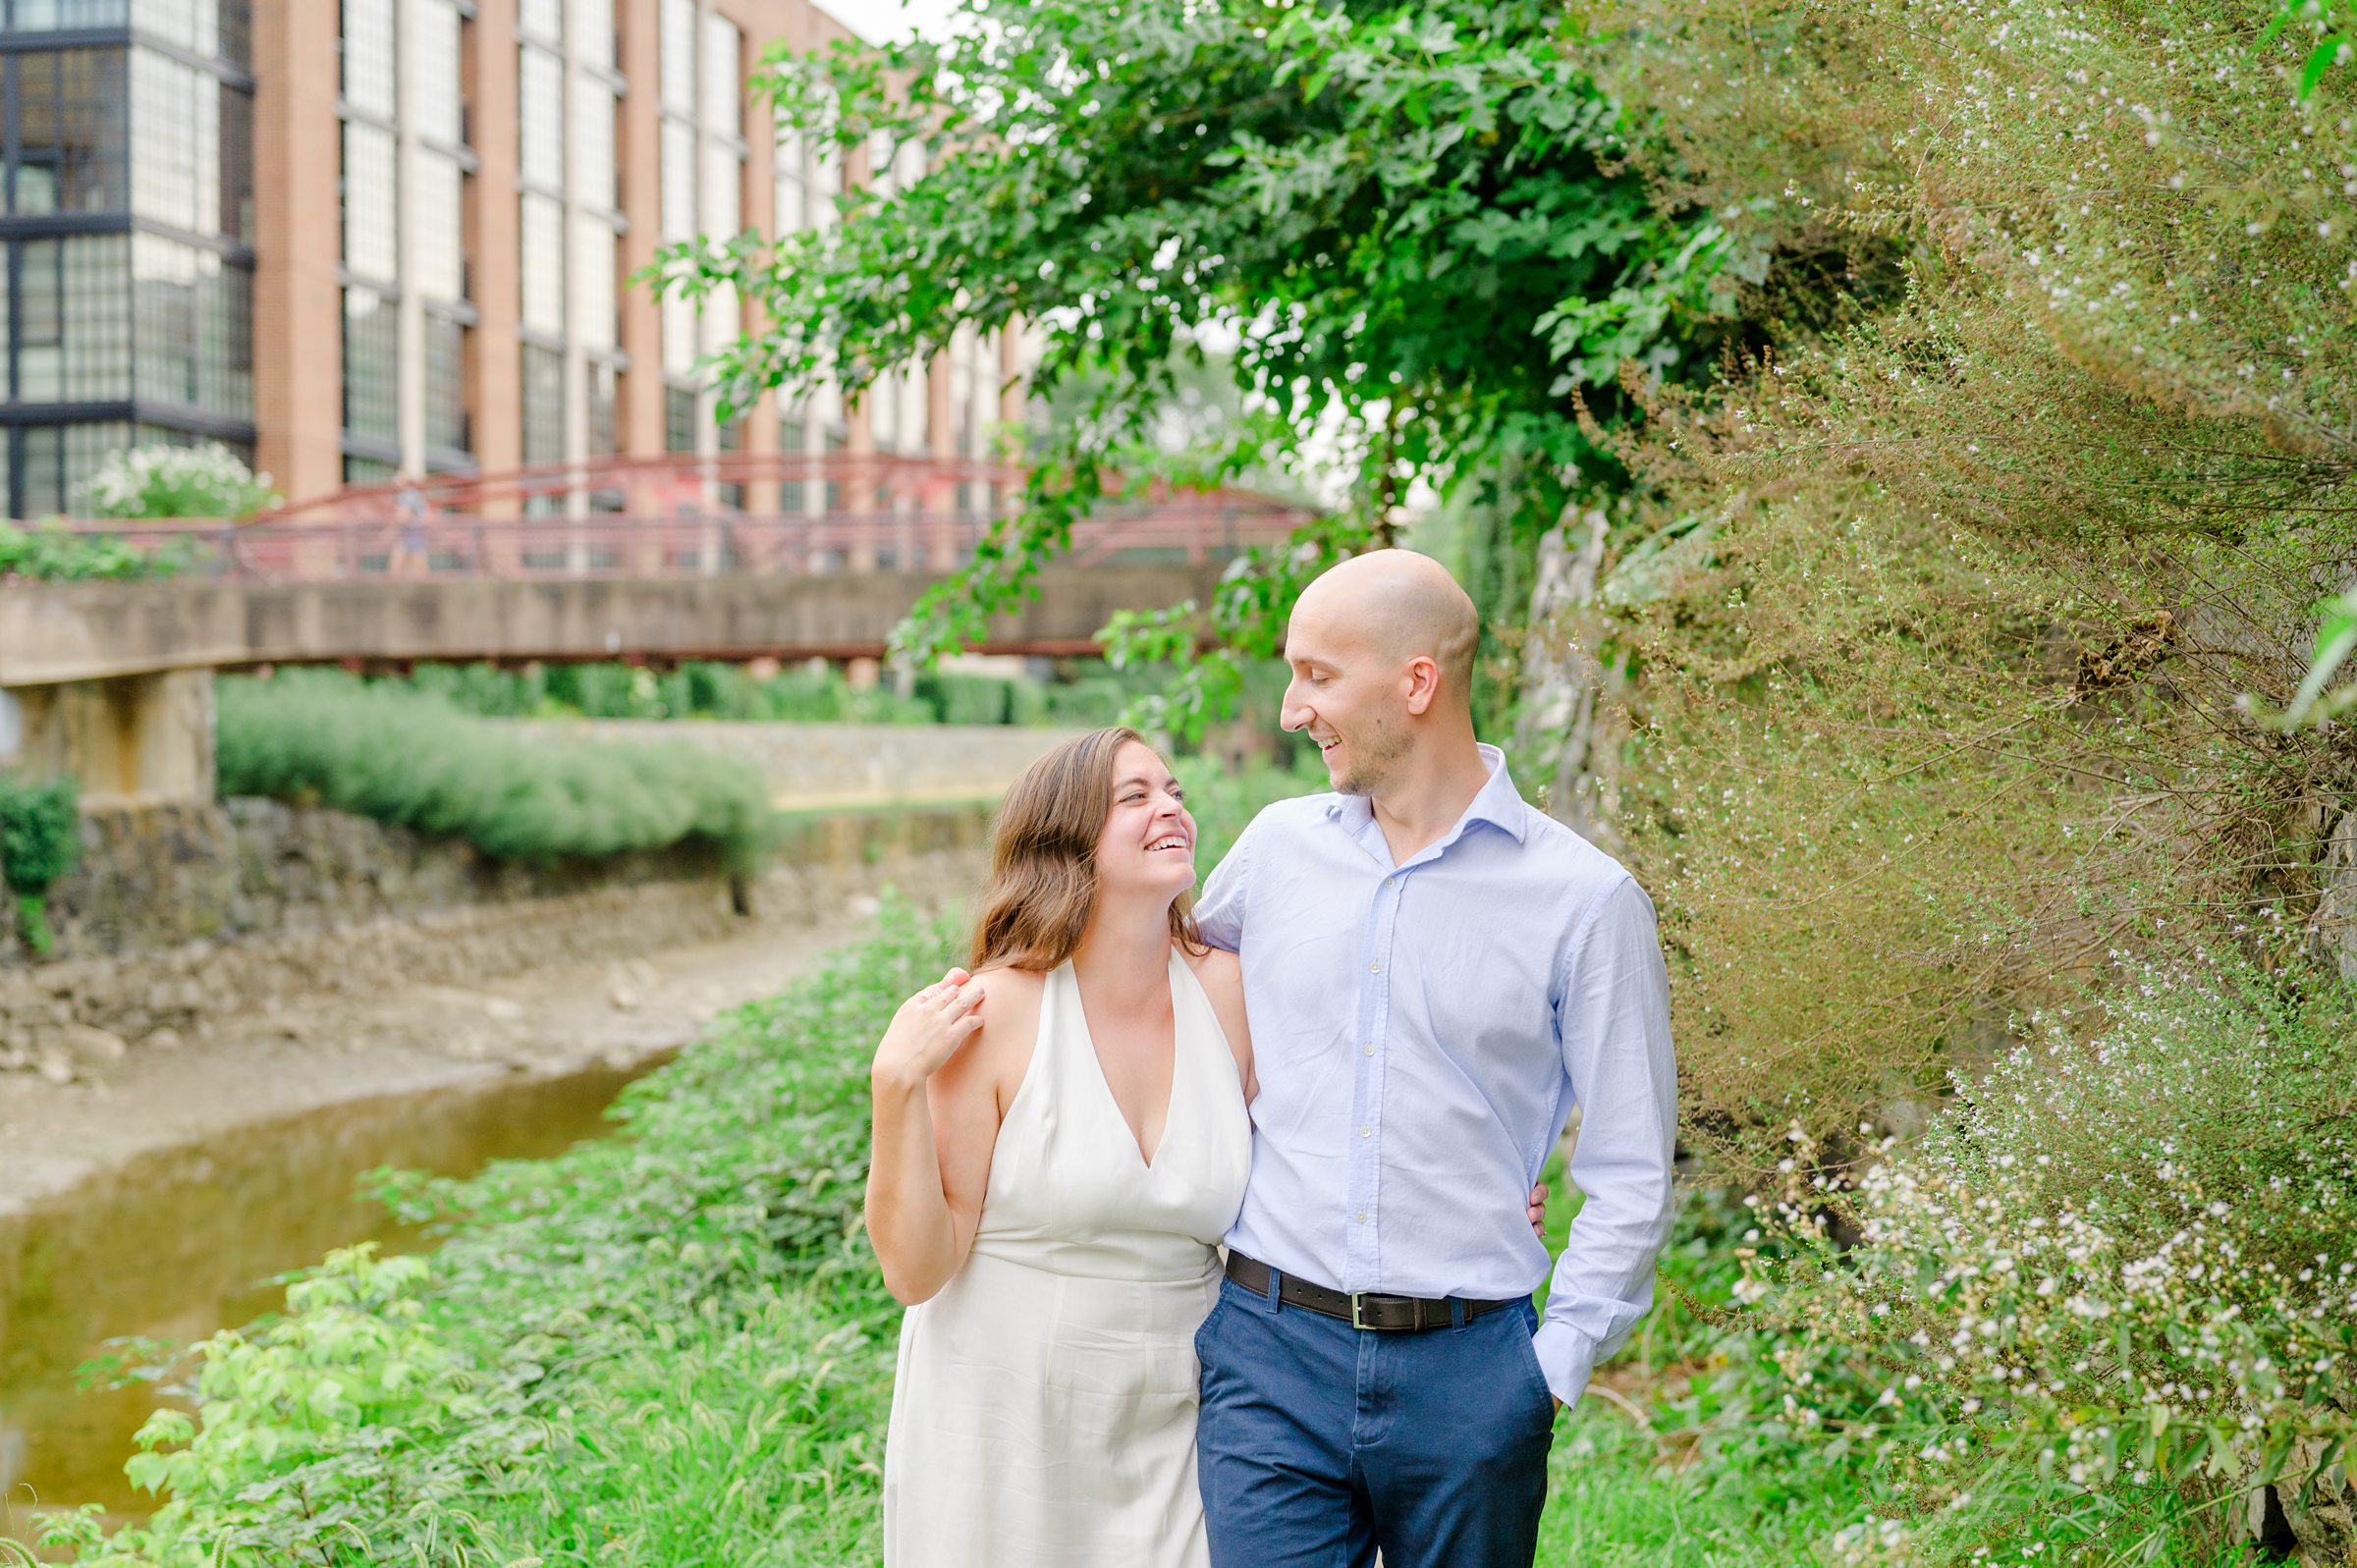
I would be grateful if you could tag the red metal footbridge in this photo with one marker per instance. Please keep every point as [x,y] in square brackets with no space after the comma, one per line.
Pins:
[757,515]
[730,557]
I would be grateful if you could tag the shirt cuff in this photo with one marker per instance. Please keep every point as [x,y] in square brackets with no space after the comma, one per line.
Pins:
[1565,1359]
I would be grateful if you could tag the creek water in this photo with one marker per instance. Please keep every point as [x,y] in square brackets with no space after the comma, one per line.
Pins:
[178,1243]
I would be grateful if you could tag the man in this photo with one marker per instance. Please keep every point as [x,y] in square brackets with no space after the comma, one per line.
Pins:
[1435,973]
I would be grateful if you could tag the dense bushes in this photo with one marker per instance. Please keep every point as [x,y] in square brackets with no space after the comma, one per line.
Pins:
[1942,612]
[697,690]
[54,553]
[41,839]
[413,760]
[2112,1267]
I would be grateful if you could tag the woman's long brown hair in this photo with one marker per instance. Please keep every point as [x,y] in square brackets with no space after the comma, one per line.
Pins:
[1043,872]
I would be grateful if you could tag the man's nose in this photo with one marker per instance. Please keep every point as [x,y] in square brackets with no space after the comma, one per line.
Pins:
[1292,714]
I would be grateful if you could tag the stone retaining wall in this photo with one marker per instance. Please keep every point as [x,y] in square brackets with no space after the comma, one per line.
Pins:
[182,916]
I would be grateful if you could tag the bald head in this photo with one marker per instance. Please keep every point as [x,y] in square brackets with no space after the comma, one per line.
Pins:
[1400,605]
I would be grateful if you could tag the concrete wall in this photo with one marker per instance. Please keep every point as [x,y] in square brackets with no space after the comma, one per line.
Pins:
[131,740]
[811,765]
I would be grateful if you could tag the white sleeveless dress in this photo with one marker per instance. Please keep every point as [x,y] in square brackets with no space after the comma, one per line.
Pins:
[1044,1413]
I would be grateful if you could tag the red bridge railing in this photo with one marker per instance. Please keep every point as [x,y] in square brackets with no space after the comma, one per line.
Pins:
[685,517]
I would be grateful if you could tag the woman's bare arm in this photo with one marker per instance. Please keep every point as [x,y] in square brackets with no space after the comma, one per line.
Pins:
[940,1083]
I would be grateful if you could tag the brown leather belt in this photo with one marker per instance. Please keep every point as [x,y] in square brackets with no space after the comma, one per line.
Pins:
[1366,1309]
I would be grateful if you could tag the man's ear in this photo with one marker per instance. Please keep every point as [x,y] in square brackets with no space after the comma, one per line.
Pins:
[1423,684]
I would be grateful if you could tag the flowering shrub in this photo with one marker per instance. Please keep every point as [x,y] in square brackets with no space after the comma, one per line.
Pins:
[160,481]
[2109,1268]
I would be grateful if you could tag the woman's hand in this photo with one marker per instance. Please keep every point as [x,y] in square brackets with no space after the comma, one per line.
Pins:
[1538,1210]
[929,1029]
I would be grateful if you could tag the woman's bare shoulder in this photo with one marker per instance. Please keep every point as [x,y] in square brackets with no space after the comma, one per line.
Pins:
[1008,986]
[1220,970]
[1010,1004]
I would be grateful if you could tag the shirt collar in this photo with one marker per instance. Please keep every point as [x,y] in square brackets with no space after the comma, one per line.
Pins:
[1497,802]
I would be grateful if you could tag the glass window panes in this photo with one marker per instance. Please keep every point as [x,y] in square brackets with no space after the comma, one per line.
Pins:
[883,402]
[676,44]
[794,440]
[721,90]
[543,405]
[593,33]
[594,286]
[678,182]
[236,165]
[360,470]
[543,264]
[371,366]
[58,459]
[436,103]
[74,319]
[678,419]
[722,189]
[216,27]
[826,183]
[600,394]
[446,423]
[72,131]
[594,175]
[679,337]
[438,252]
[368,58]
[176,124]
[193,327]
[540,111]
[541,19]
[370,202]
[790,173]
[53,15]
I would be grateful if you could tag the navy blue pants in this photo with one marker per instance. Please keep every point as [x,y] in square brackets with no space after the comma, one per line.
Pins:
[1319,1445]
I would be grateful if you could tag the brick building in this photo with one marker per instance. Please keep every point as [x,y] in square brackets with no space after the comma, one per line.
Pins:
[358,239]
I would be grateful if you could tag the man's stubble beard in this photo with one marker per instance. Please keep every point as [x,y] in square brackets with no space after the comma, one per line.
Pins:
[1375,757]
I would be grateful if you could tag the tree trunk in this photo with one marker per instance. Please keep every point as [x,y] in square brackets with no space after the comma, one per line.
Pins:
[1566,729]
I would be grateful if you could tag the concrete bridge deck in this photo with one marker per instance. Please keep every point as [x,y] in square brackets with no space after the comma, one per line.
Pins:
[100,631]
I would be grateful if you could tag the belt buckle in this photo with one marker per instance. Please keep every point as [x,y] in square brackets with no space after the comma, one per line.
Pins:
[1357,1322]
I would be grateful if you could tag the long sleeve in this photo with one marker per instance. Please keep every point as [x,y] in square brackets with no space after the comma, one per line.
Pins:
[1615,1023]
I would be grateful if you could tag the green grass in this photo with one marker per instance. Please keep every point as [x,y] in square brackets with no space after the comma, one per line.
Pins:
[672,1349]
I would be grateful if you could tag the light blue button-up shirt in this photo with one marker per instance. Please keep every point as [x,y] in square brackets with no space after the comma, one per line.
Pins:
[1421,1032]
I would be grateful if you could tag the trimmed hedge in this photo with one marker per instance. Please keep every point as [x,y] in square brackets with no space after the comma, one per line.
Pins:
[411,759]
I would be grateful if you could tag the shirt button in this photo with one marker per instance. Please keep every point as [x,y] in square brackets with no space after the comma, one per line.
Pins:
[1391,881]
[1374,968]
[1368,1048]
[1362,1216]
[1366,1132]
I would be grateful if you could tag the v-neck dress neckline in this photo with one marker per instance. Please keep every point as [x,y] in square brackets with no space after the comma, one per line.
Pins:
[1044,1412]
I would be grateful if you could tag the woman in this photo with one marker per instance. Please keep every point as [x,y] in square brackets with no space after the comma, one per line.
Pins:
[1059,1143]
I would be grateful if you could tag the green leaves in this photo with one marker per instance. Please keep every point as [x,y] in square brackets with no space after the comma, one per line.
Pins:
[2335,641]
[40,840]
[2334,26]
[1395,214]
